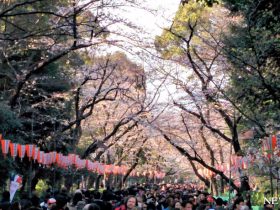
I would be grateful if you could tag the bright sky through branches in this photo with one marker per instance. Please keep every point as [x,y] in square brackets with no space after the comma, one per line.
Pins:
[149,17]
[160,16]
[153,22]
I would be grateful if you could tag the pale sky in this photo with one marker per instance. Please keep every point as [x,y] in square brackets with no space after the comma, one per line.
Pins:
[152,16]
[163,15]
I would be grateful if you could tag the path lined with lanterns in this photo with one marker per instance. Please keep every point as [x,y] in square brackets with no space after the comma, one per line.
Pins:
[47,159]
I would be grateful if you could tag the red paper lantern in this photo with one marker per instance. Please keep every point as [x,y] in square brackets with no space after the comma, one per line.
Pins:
[245,162]
[273,142]
[124,170]
[29,150]
[40,157]
[101,168]
[53,157]
[46,159]
[13,149]
[77,161]
[95,166]
[107,169]
[89,165]
[116,170]
[72,158]
[5,146]
[120,171]
[58,158]
[82,163]
[35,153]
[21,151]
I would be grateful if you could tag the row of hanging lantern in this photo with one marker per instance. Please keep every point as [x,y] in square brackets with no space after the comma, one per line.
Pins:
[236,163]
[63,161]
[268,145]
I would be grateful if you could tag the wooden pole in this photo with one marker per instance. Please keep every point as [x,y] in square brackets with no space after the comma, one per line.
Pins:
[230,154]
[271,178]
[29,180]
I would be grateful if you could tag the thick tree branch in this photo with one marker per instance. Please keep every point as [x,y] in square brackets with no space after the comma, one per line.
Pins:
[200,161]
[39,67]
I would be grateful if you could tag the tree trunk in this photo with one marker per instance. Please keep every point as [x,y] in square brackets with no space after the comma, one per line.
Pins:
[206,181]
[97,182]
[214,186]
[201,161]
[222,189]
[127,173]
[24,181]
[34,181]
[222,186]
[91,181]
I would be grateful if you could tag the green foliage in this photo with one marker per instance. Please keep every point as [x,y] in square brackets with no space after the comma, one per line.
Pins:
[170,43]
[8,120]
[41,187]
[209,3]
[257,198]
[253,48]
[5,170]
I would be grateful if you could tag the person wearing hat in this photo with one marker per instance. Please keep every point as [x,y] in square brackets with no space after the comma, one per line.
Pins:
[51,204]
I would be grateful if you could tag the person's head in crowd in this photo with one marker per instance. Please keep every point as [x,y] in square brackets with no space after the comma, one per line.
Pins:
[61,201]
[219,202]
[51,204]
[208,206]
[268,206]
[202,207]
[140,201]
[236,197]
[161,199]
[210,199]
[177,195]
[141,191]
[238,203]
[188,205]
[107,195]
[91,206]
[178,206]
[64,190]
[145,207]
[47,197]
[100,203]
[87,194]
[150,204]
[76,198]
[201,199]
[170,202]
[36,208]
[176,199]
[151,201]
[193,200]
[244,207]
[25,202]
[96,194]
[6,196]
[15,206]
[130,202]
[35,200]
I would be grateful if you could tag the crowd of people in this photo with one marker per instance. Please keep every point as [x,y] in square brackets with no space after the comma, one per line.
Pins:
[173,197]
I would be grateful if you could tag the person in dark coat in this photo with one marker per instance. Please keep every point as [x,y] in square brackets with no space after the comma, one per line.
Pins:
[5,202]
